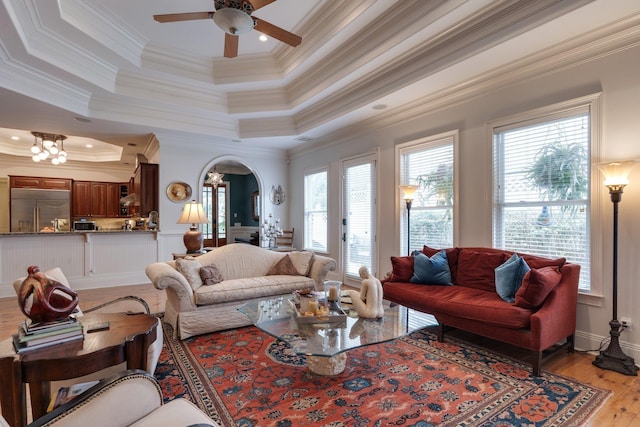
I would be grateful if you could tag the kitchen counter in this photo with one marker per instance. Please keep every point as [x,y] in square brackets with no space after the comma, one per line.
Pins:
[89,259]
[61,233]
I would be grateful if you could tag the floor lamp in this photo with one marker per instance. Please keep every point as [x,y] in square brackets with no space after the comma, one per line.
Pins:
[613,358]
[408,191]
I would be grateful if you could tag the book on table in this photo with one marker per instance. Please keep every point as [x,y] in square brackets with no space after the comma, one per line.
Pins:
[32,336]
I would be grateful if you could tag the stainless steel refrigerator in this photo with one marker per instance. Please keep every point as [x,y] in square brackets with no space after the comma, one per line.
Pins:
[34,209]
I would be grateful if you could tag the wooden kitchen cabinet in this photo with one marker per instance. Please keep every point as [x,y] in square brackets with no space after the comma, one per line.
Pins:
[39,182]
[81,199]
[116,191]
[145,186]
[89,199]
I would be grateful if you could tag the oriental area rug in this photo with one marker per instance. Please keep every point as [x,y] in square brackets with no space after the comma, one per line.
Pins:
[246,378]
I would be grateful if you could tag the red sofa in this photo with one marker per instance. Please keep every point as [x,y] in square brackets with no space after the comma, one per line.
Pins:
[545,314]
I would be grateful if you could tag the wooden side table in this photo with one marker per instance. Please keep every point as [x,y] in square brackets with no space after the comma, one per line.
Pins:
[127,340]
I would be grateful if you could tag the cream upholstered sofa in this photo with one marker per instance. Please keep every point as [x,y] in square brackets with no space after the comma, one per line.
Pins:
[244,272]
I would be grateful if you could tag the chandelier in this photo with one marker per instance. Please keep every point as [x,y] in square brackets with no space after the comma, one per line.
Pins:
[214,178]
[48,145]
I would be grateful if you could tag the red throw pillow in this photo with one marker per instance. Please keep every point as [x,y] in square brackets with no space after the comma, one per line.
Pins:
[402,268]
[534,261]
[537,284]
[476,269]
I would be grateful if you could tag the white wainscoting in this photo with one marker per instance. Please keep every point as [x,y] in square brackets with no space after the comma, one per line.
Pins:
[88,260]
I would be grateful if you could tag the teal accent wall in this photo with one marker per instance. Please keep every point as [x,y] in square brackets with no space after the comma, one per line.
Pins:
[240,198]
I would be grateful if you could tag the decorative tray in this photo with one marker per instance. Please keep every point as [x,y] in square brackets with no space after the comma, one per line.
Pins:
[332,317]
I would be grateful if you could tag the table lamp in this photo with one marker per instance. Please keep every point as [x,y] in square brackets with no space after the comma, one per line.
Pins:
[193,213]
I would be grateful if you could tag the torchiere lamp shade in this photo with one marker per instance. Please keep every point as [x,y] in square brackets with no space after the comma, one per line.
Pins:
[193,213]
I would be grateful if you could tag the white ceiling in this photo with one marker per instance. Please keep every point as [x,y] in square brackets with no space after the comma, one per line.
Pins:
[109,62]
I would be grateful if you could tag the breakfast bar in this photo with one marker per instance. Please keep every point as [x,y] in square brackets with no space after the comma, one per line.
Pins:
[90,259]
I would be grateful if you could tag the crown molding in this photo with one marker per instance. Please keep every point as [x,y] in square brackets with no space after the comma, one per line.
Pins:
[486,28]
[184,93]
[267,127]
[160,115]
[608,40]
[93,19]
[43,44]
[177,65]
[31,82]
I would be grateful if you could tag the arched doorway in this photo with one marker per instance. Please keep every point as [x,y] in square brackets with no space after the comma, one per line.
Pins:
[232,204]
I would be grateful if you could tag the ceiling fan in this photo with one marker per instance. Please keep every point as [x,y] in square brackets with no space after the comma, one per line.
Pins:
[234,18]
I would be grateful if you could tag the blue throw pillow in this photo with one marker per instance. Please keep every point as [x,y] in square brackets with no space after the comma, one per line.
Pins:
[431,271]
[509,277]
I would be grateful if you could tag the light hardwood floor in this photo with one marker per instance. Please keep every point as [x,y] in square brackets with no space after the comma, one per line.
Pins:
[621,410]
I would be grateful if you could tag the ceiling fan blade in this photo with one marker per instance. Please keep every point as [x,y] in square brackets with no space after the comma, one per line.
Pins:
[257,4]
[175,17]
[230,45]
[277,32]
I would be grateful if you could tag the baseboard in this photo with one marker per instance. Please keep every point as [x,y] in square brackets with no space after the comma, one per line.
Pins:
[591,343]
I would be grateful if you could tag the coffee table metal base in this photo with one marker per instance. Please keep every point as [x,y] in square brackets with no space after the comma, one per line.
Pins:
[324,365]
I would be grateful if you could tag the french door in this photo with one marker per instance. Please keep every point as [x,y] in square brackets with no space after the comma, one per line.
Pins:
[359,216]
[215,204]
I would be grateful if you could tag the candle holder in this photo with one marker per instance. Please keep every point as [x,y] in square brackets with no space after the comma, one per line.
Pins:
[332,292]
[271,230]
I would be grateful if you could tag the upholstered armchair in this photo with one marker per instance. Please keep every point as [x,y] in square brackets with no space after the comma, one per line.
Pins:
[129,398]
[127,304]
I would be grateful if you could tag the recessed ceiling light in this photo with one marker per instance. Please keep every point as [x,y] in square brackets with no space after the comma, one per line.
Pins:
[81,119]
[263,38]
[379,107]
[89,145]
[15,138]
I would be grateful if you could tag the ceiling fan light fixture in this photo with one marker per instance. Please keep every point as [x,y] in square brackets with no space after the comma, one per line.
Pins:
[233,21]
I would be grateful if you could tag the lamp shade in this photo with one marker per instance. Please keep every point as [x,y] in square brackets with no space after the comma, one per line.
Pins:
[193,213]
[233,21]
[616,174]
[408,191]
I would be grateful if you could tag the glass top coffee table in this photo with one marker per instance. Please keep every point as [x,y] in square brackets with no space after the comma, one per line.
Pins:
[325,344]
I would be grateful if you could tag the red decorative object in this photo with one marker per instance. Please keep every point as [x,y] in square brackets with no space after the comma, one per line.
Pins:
[42,299]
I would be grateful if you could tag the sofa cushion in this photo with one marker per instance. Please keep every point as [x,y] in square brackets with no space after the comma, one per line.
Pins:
[509,277]
[459,301]
[476,269]
[401,268]
[452,258]
[210,275]
[537,284]
[251,287]
[431,270]
[190,268]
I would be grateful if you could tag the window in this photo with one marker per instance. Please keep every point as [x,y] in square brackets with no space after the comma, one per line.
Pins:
[315,211]
[429,163]
[542,185]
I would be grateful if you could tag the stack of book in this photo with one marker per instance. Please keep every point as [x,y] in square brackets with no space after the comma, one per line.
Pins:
[33,336]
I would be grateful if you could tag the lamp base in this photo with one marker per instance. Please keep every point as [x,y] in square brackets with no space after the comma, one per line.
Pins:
[613,358]
[193,240]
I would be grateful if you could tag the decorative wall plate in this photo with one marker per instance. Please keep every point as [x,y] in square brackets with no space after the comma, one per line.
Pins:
[277,195]
[178,191]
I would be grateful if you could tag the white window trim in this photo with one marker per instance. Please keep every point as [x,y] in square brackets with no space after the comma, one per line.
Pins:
[304,222]
[593,102]
[420,144]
